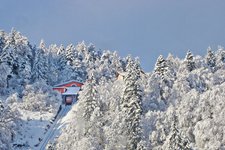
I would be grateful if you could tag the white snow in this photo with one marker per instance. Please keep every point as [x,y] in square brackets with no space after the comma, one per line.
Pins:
[71,91]
[34,129]
[55,130]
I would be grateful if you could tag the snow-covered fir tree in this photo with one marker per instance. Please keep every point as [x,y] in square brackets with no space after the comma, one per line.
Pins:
[210,58]
[70,54]
[39,70]
[175,140]
[160,66]
[132,104]
[9,123]
[42,45]
[222,57]
[89,97]
[17,55]
[189,61]
[2,40]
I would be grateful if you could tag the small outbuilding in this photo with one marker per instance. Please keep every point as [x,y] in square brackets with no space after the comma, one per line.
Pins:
[69,91]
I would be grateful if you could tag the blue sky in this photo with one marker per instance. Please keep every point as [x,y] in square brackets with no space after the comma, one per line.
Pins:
[144,28]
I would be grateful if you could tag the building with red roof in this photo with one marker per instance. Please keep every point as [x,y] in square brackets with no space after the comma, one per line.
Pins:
[69,91]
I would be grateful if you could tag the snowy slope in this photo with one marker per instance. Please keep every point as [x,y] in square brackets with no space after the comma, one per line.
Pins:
[55,129]
[33,129]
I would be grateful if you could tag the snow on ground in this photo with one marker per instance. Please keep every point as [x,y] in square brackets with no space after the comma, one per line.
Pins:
[65,117]
[55,129]
[35,125]
[68,117]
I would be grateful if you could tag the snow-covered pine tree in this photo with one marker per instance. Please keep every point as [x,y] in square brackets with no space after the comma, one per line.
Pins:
[161,66]
[88,98]
[116,62]
[109,65]
[176,141]
[222,57]
[88,53]
[51,58]
[10,58]
[210,58]
[161,73]
[8,124]
[39,70]
[5,62]
[61,50]
[17,55]
[74,60]
[132,104]
[221,52]
[61,59]
[78,67]
[4,77]
[189,61]
[2,40]
[63,70]
[42,45]
[70,54]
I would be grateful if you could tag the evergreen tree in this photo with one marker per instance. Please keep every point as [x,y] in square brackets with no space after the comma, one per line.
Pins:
[42,45]
[70,54]
[221,53]
[8,123]
[92,52]
[189,61]
[61,59]
[176,141]
[2,40]
[7,63]
[17,54]
[89,98]
[223,56]
[61,50]
[9,58]
[88,53]
[161,66]
[39,70]
[4,76]
[210,58]
[79,70]
[132,104]
[52,62]
[63,70]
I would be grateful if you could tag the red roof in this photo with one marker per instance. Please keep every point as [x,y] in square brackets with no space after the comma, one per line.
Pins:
[69,84]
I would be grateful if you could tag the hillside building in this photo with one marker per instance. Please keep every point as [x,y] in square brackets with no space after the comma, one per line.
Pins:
[69,91]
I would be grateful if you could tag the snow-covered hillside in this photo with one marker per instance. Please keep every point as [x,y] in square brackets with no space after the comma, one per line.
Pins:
[33,130]
[179,105]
